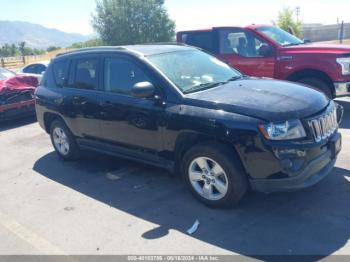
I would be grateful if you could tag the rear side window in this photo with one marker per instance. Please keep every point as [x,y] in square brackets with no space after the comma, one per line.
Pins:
[121,75]
[60,72]
[28,69]
[35,69]
[202,40]
[40,69]
[240,42]
[85,74]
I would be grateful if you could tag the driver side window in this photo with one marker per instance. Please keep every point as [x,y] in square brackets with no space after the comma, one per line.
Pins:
[120,75]
[242,43]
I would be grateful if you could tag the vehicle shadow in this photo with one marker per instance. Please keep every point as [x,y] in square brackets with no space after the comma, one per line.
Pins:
[15,123]
[314,221]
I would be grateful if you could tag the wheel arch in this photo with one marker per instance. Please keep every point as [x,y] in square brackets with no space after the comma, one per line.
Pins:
[312,73]
[186,141]
[49,117]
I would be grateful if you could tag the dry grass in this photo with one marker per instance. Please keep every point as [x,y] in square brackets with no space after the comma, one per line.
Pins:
[47,56]
[345,42]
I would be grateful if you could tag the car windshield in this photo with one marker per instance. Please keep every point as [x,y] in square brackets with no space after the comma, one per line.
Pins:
[5,74]
[280,36]
[193,70]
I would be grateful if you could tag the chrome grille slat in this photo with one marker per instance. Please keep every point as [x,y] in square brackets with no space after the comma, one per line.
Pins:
[324,125]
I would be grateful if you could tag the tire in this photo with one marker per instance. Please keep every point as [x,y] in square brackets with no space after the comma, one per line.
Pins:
[63,141]
[228,188]
[317,84]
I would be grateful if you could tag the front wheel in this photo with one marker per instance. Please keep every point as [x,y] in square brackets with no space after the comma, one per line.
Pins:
[317,84]
[214,175]
[63,141]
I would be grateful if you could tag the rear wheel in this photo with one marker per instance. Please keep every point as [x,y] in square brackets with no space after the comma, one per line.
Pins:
[317,84]
[63,141]
[214,175]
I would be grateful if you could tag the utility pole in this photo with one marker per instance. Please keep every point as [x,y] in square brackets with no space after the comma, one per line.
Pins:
[341,32]
[297,10]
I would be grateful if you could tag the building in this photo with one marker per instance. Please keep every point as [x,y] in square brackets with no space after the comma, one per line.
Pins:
[319,32]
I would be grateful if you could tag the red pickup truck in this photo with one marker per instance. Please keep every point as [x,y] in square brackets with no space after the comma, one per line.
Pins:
[268,51]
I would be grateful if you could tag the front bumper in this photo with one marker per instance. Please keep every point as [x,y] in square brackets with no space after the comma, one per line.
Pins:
[312,173]
[342,88]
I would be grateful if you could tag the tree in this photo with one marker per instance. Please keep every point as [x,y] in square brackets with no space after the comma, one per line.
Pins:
[88,43]
[121,22]
[37,51]
[52,48]
[6,50]
[22,48]
[9,50]
[287,22]
[14,50]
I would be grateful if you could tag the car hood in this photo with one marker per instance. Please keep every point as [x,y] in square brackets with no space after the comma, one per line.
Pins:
[266,99]
[18,83]
[318,48]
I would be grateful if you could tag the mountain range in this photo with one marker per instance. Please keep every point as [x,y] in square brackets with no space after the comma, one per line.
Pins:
[37,36]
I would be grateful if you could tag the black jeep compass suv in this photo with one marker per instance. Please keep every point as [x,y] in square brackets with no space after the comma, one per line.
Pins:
[182,109]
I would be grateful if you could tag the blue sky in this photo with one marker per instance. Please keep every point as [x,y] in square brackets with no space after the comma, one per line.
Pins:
[75,15]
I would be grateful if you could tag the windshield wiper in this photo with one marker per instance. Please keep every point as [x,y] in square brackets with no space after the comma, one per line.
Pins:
[234,78]
[293,44]
[203,86]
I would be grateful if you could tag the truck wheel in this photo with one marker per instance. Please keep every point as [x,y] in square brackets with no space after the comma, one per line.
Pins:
[214,175]
[318,85]
[63,141]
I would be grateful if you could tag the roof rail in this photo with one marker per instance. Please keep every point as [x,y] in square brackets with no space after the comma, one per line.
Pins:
[166,43]
[92,49]
[117,47]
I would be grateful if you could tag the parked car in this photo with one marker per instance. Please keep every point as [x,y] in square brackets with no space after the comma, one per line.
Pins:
[36,69]
[268,51]
[182,109]
[16,95]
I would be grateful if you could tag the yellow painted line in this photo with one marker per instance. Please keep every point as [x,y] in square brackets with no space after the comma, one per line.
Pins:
[36,241]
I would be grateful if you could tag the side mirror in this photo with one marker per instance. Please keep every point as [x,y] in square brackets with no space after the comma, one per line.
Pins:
[143,90]
[265,50]
[307,41]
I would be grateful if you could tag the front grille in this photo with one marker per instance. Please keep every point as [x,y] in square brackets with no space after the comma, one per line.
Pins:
[324,125]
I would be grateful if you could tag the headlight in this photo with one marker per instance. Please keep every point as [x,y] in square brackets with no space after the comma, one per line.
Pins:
[292,129]
[344,62]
